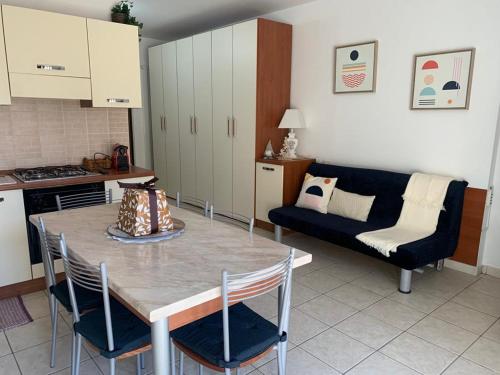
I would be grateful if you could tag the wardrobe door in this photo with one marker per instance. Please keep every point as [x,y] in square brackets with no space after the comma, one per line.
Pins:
[157,114]
[171,120]
[222,97]
[244,116]
[202,58]
[186,116]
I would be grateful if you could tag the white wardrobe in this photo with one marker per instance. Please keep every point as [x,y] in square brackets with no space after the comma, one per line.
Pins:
[205,110]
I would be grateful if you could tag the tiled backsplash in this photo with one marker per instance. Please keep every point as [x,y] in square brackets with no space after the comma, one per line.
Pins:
[37,132]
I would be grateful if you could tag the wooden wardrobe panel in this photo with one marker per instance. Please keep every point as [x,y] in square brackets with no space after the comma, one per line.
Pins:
[471,226]
[274,66]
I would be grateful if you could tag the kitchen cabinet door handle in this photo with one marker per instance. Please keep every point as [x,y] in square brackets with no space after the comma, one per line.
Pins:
[118,100]
[195,119]
[191,124]
[228,126]
[234,127]
[268,169]
[161,122]
[1,199]
[165,123]
[50,67]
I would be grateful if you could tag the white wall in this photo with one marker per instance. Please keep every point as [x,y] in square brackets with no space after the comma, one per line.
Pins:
[378,129]
[141,126]
[491,250]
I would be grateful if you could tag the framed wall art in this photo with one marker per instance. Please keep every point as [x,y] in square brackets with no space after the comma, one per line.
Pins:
[355,68]
[442,80]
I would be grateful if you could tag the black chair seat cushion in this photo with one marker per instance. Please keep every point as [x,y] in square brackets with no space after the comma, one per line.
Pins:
[250,335]
[86,299]
[129,332]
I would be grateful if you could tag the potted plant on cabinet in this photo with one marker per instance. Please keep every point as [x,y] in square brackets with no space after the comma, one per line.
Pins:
[120,13]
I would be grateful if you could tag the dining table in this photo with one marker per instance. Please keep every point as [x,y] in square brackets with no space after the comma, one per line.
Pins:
[169,283]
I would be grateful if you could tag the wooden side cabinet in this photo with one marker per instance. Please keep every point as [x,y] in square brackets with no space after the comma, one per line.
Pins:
[278,183]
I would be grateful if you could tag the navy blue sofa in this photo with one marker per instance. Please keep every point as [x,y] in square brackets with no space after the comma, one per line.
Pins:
[388,187]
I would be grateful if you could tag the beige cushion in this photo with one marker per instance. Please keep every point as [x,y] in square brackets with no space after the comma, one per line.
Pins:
[350,205]
[316,193]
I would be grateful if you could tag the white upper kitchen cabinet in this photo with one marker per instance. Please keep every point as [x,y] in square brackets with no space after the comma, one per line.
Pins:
[15,264]
[40,42]
[47,54]
[4,77]
[114,63]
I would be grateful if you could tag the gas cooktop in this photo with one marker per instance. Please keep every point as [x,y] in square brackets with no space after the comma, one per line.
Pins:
[51,173]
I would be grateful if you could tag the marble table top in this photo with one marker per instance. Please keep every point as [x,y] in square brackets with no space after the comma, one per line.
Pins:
[164,278]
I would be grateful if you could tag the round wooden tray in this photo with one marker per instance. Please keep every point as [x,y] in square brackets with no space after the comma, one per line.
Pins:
[119,235]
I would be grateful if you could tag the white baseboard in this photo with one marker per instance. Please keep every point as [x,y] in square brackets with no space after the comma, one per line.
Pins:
[492,271]
[454,265]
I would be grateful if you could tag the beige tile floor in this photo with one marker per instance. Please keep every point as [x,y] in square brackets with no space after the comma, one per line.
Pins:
[347,318]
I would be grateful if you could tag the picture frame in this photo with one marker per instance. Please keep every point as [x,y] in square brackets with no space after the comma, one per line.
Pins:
[442,80]
[355,67]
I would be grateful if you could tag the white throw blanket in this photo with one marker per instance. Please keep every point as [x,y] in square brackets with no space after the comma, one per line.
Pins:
[423,201]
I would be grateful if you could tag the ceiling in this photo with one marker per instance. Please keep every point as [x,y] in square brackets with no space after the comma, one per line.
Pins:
[168,19]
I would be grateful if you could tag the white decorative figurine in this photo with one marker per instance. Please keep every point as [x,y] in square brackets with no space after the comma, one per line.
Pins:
[292,119]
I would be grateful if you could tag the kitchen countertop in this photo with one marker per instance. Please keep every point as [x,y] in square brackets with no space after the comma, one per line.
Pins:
[106,175]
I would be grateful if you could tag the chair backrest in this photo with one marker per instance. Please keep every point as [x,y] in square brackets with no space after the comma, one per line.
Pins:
[90,277]
[232,217]
[186,201]
[95,198]
[49,245]
[240,287]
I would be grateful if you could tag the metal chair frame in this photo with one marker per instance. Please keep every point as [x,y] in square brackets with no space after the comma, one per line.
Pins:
[93,278]
[50,249]
[80,200]
[234,218]
[192,202]
[240,287]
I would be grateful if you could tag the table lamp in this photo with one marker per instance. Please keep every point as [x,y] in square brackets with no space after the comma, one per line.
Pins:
[292,119]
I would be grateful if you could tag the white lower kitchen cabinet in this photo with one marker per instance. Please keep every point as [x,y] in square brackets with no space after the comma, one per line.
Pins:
[15,266]
[117,191]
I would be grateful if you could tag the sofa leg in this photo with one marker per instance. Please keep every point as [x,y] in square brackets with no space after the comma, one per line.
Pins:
[278,232]
[440,265]
[405,281]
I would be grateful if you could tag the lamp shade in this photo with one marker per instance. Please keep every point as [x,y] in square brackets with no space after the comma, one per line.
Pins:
[292,119]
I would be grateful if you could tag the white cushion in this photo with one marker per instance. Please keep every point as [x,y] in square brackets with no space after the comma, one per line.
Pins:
[350,205]
[316,193]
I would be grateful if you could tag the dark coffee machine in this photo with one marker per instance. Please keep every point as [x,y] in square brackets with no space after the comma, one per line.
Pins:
[120,158]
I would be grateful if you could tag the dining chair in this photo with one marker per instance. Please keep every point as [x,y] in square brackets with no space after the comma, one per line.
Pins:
[233,218]
[57,292]
[94,198]
[237,336]
[186,201]
[113,330]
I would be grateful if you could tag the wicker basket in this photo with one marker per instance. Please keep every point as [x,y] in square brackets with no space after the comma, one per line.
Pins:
[95,164]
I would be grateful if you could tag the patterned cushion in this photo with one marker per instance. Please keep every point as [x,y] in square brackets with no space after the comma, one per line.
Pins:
[350,205]
[316,193]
